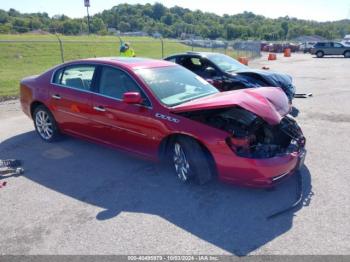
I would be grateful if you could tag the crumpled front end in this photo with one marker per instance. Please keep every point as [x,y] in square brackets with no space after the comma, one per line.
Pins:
[267,153]
[255,152]
[283,81]
[269,78]
[260,140]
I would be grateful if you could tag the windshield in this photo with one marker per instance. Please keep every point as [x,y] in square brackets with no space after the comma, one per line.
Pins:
[175,85]
[226,63]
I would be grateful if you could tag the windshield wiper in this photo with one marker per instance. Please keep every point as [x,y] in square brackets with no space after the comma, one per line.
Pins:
[232,70]
[197,97]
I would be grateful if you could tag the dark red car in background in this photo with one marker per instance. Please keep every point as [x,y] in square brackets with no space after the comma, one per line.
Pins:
[162,111]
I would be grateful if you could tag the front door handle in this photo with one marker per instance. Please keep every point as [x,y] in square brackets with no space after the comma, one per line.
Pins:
[99,108]
[56,96]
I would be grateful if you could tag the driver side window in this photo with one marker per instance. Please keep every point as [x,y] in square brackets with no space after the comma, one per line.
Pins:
[199,66]
[114,83]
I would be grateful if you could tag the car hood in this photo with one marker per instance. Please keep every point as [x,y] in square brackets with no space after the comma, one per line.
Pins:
[266,73]
[270,103]
[272,79]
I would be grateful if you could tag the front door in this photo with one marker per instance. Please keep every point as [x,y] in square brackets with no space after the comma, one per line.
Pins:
[127,126]
[338,49]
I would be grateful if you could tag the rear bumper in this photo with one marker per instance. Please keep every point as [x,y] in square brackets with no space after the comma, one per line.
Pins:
[25,99]
[26,108]
[260,173]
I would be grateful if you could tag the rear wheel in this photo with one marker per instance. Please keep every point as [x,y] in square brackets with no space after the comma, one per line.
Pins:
[319,54]
[190,161]
[347,54]
[45,124]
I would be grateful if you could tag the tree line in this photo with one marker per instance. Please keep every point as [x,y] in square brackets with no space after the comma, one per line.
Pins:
[174,22]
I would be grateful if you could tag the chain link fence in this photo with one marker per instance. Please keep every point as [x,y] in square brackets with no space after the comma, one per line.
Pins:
[74,48]
[28,54]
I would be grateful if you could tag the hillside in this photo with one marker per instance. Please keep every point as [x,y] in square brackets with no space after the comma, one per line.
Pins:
[173,22]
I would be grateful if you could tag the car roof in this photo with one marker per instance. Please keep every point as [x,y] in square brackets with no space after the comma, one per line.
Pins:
[193,53]
[131,63]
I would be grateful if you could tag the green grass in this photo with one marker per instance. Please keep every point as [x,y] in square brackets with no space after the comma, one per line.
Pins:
[25,57]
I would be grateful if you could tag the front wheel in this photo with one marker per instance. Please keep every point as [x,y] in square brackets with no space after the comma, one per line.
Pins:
[347,54]
[190,161]
[45,124]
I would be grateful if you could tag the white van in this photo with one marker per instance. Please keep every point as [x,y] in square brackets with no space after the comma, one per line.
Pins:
[346,40]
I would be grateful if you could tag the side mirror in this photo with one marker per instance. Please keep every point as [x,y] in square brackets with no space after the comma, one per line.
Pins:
[132,98]
[210,71]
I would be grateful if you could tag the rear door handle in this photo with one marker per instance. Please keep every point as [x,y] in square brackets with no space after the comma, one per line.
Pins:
[99,108]
[56,96]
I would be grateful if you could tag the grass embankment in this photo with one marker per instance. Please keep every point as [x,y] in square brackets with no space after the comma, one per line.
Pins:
[29,54]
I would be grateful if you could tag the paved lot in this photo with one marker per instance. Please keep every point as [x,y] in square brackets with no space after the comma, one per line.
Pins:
[81,198]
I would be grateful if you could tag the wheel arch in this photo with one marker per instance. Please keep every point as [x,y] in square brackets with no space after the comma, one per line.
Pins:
[34,105]
[166,142]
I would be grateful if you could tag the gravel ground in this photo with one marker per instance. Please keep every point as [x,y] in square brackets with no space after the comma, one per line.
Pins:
[80,198]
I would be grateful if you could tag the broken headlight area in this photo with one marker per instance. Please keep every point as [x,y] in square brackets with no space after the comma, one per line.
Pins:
[251,136]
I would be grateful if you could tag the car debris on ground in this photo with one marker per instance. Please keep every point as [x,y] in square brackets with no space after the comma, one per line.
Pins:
[8,168]
[303,95]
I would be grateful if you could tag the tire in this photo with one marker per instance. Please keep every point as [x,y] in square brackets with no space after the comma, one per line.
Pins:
[45,124]
[190,161]
[319,54]
[347,54]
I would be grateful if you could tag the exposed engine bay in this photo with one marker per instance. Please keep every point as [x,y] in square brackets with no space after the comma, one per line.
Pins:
[251,136]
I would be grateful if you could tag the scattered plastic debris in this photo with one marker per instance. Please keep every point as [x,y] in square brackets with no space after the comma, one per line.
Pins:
[303,95]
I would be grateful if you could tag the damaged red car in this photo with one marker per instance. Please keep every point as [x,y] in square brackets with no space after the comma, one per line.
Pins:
[163,112]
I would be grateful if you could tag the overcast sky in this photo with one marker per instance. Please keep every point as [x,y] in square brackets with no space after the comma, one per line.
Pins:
[320,10]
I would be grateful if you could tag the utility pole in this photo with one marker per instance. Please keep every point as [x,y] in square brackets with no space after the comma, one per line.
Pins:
[87,5]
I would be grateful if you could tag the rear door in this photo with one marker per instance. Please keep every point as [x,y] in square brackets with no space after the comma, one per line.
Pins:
[328,49]
[127,126]
[70,97]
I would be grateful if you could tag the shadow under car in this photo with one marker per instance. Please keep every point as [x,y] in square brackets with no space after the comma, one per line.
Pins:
[232,218]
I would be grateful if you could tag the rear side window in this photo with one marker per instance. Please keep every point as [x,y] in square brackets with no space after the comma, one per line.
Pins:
[325,45]
[79,77]
[337,45]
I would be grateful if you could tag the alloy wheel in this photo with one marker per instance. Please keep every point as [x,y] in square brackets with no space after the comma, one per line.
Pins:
[181,164]
[44,125]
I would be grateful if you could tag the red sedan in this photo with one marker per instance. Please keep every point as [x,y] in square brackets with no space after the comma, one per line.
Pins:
[161,111]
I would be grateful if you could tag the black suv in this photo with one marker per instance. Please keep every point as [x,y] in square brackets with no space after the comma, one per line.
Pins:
[330,48]
[226,73]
